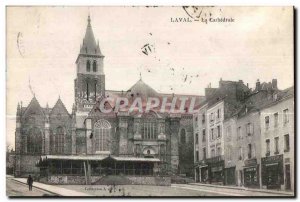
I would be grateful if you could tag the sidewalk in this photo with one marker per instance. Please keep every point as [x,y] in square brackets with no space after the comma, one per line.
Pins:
[287,193]
[53,189]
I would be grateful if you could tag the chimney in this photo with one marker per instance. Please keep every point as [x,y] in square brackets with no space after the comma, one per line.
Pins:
[258,87]
[220,83]
[274,84]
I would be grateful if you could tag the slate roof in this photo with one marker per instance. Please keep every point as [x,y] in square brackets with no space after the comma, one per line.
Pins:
[94,158]
[89,45]
[142,90]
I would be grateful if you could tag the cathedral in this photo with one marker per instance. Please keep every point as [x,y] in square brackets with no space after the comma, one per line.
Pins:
[87,144]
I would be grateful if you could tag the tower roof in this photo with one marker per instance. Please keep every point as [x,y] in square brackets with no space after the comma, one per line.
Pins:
[89,45]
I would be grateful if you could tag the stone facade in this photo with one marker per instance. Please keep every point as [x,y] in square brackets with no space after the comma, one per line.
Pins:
[248,149]
[132,180]
[257,137]
[280,130]
[88,130]
[220,104]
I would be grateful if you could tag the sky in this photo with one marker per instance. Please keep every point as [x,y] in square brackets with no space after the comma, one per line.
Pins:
[43,44]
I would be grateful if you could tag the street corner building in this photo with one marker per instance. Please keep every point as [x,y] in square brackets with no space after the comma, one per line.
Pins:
[245,137]
[89,146]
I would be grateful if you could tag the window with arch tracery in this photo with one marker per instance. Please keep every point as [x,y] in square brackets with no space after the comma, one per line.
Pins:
[59,140]
[88,66]
[94,66]
[102,130]
[149,126]
[34,141]
[149,130]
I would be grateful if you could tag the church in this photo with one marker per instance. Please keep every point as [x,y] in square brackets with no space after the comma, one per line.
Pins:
[87,145]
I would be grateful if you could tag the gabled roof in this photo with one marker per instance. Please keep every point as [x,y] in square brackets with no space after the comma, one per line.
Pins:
[281,96]
[286,92]
[35,106]
[59,107]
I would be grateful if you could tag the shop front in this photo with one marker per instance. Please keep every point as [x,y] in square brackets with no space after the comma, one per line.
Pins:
[201,171]
[230,176]
[204,174]
[216,170]
[251,173]
[272,172]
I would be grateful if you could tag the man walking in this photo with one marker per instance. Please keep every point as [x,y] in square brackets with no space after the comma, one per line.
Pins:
[30,182]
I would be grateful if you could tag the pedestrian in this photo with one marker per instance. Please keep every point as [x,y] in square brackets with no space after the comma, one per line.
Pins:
[30,182]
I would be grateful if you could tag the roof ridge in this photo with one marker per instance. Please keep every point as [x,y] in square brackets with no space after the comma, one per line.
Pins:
[63,105]
[31,102]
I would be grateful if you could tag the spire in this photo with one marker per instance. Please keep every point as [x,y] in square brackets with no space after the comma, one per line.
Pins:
[89,44]
[89,21]
[18,109]
[47,108]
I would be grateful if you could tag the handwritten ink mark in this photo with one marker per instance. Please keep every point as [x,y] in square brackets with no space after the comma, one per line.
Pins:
[20,44]
[147,48]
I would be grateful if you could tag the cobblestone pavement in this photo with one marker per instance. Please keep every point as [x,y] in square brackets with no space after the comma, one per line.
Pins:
[174,190]
[184,190]
[135,190]
[231,192]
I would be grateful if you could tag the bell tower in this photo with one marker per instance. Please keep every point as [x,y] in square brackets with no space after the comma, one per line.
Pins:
[90,81]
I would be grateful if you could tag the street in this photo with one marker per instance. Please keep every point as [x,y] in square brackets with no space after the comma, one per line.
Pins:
[183,190]
[175,190]
[14,188]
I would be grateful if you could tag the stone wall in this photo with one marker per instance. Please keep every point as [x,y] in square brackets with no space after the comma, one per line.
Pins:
[133,180]
[27,167]
[150,180]
[186,148]
[70,180]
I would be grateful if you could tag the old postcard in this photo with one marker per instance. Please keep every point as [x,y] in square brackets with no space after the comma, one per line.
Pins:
[150,101]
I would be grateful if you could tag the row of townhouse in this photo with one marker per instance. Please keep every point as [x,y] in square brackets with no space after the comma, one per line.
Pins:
[245,137]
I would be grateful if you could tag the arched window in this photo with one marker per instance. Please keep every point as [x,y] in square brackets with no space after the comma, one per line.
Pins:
[149,130]
[94,66]
[212,153]
[59,140]
[229,153]
[34,141]
[95,89]
[149,127]
[87,90]
[102,130]
[219,151]
[182,136]
[88,66]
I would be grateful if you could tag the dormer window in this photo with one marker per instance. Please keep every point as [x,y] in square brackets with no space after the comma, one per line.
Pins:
[94,66]
[88,66]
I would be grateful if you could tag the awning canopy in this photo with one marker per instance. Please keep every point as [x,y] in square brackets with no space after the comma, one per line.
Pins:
[45,158]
